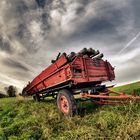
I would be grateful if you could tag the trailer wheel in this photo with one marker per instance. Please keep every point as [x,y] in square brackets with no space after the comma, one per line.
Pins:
[36,97]
[66,102]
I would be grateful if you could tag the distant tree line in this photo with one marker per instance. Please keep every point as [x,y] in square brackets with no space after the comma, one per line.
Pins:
[2,95]
[11,91]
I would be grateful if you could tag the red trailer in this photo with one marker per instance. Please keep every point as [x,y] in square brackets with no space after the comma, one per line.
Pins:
[77,73]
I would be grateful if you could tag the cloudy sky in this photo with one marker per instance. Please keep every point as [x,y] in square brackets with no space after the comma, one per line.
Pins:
[32,32]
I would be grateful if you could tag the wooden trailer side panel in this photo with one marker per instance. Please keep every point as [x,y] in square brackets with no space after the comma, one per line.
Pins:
[39,82]
[80,70]
[91,70]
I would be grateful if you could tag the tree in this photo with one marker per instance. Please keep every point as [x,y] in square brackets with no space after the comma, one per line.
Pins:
[11,91]
[2,95]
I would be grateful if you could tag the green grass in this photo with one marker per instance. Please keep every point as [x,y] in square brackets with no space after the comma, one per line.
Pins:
[24,119]
[129,88]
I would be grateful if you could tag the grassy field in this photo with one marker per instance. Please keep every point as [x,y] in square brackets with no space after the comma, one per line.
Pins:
[129,88]
[24,119]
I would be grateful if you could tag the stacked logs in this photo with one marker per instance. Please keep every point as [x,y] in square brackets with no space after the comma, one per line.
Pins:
[86,53]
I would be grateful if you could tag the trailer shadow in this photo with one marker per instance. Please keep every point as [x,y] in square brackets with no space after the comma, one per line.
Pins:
[83,107]
[86,107]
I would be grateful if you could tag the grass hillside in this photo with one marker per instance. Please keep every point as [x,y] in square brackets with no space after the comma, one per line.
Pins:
[129,88]
[24,119]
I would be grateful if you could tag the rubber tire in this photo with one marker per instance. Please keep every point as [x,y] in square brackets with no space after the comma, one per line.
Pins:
[71,102]
[36,98]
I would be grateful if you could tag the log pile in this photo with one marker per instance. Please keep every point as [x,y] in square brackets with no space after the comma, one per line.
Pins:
[86,53]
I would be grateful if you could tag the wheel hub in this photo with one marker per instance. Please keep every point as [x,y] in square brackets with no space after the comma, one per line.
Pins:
[64,104]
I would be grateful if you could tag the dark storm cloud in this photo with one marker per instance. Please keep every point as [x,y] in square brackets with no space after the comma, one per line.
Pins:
[60,20]
[105,24]
[21,8]
[15,64]
[21,31]
[41,3]
[34,31]
[136,4]
[5,46]
[129,71]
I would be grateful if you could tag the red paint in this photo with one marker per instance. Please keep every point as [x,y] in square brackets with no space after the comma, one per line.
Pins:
[105,98]
[80,70]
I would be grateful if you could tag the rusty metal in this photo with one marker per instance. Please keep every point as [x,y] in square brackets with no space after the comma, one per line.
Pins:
[80,70]
[106,98]
[83,71]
